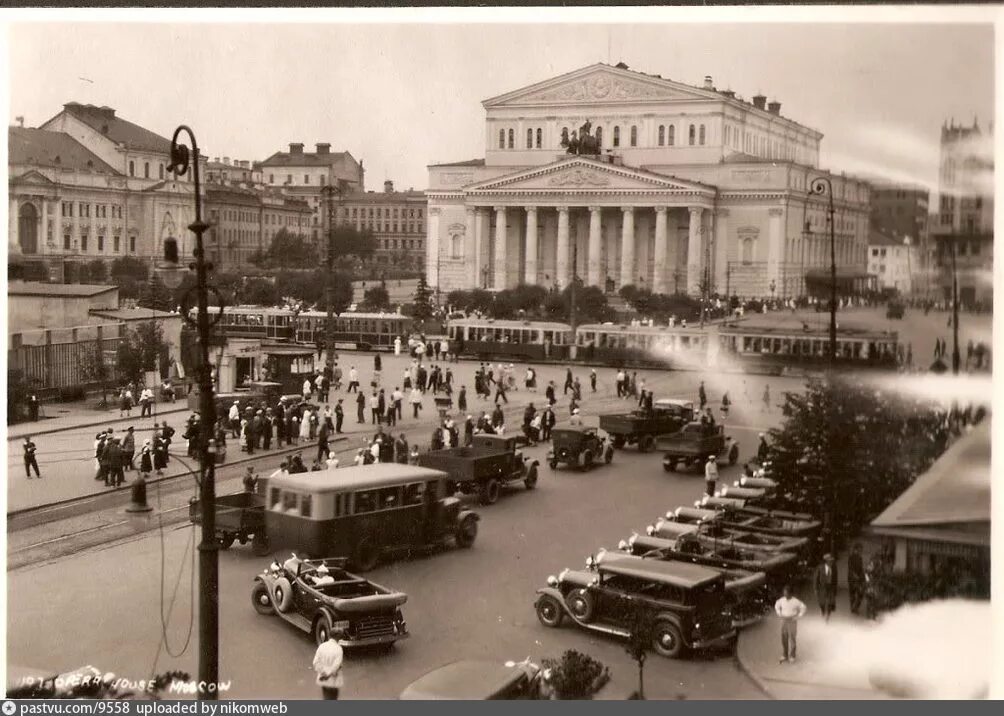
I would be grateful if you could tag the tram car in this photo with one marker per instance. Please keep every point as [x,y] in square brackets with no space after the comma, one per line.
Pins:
[491,339]
[776,348]
[362,331]
[643,345]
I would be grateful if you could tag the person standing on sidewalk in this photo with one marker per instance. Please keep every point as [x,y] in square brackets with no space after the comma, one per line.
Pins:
[790,609]
[826,586]
[339,416]
[711,475]
[30,462]
[129,449]
[856,577]
[328,666]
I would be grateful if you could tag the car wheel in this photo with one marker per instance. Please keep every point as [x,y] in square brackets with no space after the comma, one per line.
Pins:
[467,531]
[549,611]
[553,464]
[322,628]
[646,443]
[282,594]
[667,640]
[608,456]
[490,491]
[587,459]
[260,545]
[225,540]
[618,441]
[581,605]
[531,477]
[366,557]
[262,600]
[733,455]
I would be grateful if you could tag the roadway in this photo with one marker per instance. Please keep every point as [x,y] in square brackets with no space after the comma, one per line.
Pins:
[474,603]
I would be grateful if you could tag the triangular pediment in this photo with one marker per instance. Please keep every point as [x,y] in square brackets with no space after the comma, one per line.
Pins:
[600,84]
[33,177]
[581,174]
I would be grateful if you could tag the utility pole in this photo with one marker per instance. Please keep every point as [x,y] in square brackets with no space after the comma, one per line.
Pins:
[822,185]
[329,323]
[572,313]
[956,358]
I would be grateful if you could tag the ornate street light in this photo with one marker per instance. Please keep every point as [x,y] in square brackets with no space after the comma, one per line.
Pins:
[170,270]
[820,186]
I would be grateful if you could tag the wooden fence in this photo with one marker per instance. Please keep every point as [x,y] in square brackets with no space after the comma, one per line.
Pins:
[56,359]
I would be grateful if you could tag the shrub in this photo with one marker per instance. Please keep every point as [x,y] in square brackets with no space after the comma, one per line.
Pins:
[576,676]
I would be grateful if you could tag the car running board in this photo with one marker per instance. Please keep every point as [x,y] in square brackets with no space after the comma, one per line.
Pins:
[297,620]
[598,627]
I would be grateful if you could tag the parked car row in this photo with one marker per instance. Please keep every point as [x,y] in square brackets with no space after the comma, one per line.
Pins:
[697,576]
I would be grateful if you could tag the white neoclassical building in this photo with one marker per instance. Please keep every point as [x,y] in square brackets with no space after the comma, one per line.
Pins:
[692,185]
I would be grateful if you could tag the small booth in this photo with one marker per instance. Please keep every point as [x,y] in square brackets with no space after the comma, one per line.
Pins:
[287,366]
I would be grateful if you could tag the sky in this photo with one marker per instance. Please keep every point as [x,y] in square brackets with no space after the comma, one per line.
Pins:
[402,96]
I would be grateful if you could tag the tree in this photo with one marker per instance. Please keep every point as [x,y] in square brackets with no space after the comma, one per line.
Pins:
[576,676]
[27,271]
[846,451]
[422,302]
[141,349]
[260,292]
[348,241]
[376,298]
[154,294]
[94,369]
[287,250]
[97,271]
[129,267]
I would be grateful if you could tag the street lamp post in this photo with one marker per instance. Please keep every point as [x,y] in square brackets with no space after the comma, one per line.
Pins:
[329,324]
[822,185]
[956,358]
[181,160]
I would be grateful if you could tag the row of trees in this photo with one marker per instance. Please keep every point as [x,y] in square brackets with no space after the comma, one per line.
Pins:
[660,306]
[535,303]
[290,251]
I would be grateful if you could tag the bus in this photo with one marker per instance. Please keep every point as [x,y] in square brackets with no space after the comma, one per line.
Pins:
[365,512]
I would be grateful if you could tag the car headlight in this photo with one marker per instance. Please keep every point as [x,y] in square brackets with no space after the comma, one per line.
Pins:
[590,562]
[623,545]
[552,581]
[650,530]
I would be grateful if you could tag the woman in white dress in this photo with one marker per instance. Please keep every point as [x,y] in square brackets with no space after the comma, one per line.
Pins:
[305,425]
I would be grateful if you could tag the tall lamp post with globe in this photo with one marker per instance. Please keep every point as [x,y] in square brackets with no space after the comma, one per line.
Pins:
[171,272]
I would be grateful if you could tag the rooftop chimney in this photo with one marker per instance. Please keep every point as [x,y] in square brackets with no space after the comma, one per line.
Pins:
[323,148]
[388,187]
[20,121]
[708,84]
[774,107]
[216,160]
[759,101]
[296,148]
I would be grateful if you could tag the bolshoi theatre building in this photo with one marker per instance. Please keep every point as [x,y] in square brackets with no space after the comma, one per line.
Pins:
[620,177]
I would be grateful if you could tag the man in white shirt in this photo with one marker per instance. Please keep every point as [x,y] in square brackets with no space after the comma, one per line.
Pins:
[328,666]
[353,380]
[790,609]
[711,475]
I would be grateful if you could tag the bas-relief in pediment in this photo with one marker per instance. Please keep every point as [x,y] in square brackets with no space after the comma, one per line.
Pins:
[582,178]
[601,87]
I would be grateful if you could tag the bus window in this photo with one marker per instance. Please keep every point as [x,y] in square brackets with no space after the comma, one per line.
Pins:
[289,502]
[388,497]
[306,505]
[274,501]
[413,494]
[365,501]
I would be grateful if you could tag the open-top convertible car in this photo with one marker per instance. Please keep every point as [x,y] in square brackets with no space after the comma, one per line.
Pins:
[684,603]
[725,555]
[580,446]
[719,534]
[739,514]
[746,589]
[319,597]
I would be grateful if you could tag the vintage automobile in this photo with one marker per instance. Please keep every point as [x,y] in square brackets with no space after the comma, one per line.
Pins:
[478,680]
[690,516]
[321,598]
[491,462]
[239,518]
[748,598]
[366,512]
[724,555]
[686,603]
[580,446]
[715,532]
[642,427]
[764,483]
[740,514]
[694,443]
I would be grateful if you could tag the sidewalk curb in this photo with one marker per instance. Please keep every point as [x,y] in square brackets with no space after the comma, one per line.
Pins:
[751,672]
[97,423]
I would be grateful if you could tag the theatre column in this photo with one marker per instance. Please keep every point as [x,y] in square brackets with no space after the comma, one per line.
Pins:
[432,248]
[470,248]
[501,234]
[695,251]
[595,239]
[775,245]
[661,251]
[721,249]
[561,277]
[627,246]
[530,275]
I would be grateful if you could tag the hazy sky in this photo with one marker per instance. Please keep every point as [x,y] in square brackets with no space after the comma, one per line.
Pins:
[406,95]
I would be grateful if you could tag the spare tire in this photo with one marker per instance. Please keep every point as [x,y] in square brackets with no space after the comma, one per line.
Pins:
[282,594]
[366,557]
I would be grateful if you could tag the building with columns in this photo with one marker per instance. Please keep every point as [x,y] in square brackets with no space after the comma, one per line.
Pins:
[692,187]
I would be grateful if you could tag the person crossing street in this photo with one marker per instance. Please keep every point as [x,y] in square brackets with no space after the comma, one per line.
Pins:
[30,461]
